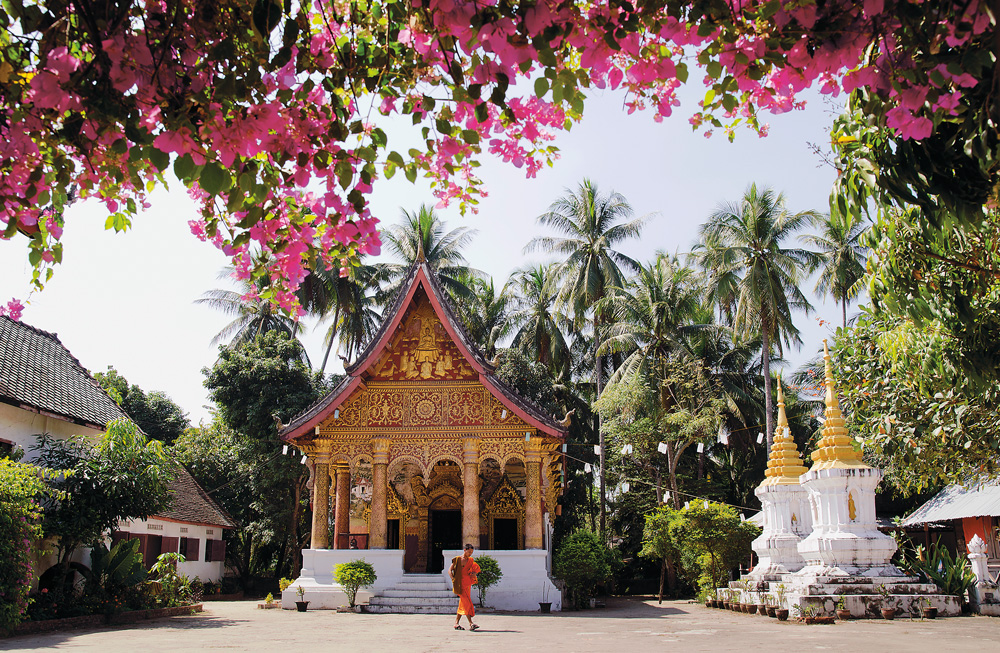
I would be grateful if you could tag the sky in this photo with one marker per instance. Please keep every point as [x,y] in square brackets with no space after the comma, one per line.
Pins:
[127,300]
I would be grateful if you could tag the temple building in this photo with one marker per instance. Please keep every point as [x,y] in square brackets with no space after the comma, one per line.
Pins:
[421,449]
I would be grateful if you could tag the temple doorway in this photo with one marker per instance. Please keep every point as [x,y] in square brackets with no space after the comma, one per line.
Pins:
[446,533]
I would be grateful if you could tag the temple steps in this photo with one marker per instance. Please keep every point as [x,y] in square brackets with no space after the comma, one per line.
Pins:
[415,593]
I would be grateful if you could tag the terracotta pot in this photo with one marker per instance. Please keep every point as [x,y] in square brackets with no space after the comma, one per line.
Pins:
[781,614]
[301,605]
[843,615]
[762,609]
[751,608]
[889,613]
[772,611]
[929,613]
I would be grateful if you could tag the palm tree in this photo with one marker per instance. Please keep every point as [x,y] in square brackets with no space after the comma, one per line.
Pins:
[538,324]
[746,239]
[843,257]
[424,232]
[251,317]
[592,225]
[486,315]
[351,299]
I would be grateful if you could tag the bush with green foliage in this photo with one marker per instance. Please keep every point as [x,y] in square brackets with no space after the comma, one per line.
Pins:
[582,561]
[713,540]
[20,488]
[488,576]
[115,578]
[354,575]
[936,564]
[169,587]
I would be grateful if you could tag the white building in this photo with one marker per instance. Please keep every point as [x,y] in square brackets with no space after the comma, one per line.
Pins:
[45,389]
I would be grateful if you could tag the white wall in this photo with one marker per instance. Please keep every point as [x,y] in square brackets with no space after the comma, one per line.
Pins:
[21,426]
[525,582]
[205,571]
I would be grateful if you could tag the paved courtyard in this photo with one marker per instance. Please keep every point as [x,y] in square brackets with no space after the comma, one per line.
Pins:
[625,626]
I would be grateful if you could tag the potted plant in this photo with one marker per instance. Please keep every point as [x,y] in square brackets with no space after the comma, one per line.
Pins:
[490,574]
[928,611]
[780,611]
[772,608]
[545,606]
[301,604]
[842,612]
[887,602]
[354,575]
[761,592]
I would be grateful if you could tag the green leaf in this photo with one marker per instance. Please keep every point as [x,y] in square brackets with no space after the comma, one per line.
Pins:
[714,69]
[184,167]
[214,178]
[158,158]
[541,87]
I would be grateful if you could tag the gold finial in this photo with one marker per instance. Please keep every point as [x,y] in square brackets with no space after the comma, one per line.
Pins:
[784,464]
[835,449]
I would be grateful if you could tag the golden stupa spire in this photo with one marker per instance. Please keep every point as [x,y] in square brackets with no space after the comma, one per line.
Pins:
[835,448]
[784,465]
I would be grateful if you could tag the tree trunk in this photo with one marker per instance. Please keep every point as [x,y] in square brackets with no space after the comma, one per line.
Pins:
[701,465]
[663,573]
[765,359]
[329,346]
[843,303]
[659,486]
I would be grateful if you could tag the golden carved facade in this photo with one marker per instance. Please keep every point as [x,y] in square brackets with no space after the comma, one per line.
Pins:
[505,503]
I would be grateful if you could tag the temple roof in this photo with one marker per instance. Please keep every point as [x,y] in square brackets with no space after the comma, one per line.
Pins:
[421,276]
[39,374]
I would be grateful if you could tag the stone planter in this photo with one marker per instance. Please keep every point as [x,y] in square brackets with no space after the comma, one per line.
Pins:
[772,611]
[781,614]
[751,608]
[819,620]
[844,615]
[301,605]
[929,613]
[889,613]
[545,608]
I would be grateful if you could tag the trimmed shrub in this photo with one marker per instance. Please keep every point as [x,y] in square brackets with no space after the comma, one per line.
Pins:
[582,561]
[354,575]
[489,575]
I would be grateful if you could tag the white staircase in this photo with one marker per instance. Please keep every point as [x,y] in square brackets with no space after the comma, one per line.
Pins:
[415,593]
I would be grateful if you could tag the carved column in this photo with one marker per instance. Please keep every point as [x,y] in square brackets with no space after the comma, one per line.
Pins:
[377,524]
[533,537]
[342,518]
[321,503]
[470,491]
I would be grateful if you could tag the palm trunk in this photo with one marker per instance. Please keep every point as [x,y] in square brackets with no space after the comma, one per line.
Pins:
[843,303]
[765,359]
[329,345]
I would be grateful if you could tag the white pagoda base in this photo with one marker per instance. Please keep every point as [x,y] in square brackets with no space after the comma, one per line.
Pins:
[786,521]
[524,585]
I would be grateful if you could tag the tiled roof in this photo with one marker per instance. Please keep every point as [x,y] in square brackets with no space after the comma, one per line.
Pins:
[190,503]
[37,372]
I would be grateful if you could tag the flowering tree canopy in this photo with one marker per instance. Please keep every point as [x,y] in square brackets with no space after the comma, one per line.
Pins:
[273,114]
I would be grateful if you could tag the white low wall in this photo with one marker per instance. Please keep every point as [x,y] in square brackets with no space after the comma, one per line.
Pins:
[323,592]
[525,581]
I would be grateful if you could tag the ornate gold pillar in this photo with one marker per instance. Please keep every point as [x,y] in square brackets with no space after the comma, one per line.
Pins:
[342,518]
[377,523]
[533,538]
[470,491]
[321,503]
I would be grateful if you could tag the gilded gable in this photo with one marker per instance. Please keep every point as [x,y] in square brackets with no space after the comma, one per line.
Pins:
[421,349]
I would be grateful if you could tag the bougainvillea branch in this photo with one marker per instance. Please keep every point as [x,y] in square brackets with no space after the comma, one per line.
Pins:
[273,114]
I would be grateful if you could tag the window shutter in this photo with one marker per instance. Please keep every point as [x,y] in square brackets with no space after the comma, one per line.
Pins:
[219,551]
[170,544]
[192,549]
[118,536]
[208,550]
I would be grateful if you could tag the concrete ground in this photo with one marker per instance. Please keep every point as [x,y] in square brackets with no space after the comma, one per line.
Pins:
[625,626]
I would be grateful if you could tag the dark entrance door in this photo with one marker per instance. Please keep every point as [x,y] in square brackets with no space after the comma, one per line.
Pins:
[505,534]
[446,533]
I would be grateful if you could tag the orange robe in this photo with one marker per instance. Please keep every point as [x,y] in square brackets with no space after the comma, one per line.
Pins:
[465,573]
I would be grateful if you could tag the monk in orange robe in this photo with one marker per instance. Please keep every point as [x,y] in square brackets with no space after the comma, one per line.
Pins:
[463,572]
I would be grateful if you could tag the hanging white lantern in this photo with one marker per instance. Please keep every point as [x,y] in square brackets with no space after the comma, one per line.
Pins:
[597,450]
[687,504]
[706,505]
[723,434]
[304,459]
[662,447]
[625,486]
[284,450]
[666,496]
[760,437]
[701,447]
[587,467]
